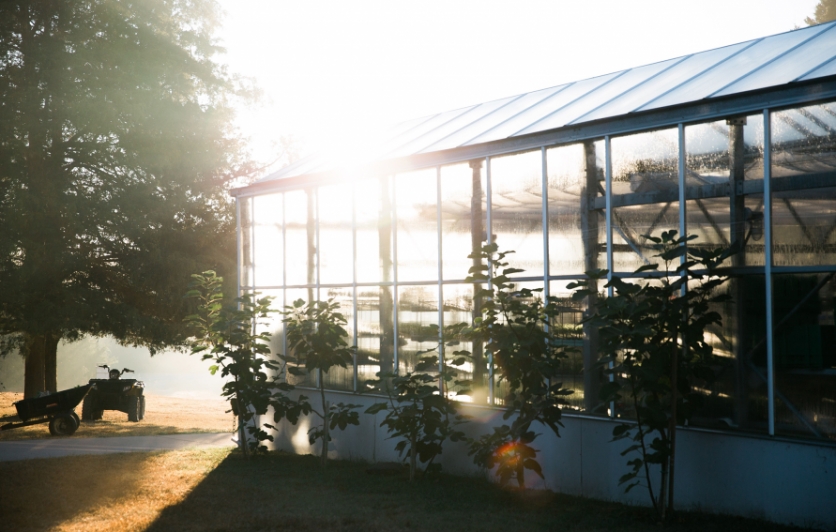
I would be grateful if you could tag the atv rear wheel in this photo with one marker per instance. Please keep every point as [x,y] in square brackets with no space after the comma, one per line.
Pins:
[134,409]
[88,409]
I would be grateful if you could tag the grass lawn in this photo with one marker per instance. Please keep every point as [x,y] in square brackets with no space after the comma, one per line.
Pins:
[217,490]
[163,415]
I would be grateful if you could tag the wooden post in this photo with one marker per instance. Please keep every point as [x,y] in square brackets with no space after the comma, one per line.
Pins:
[477,236]
[589,230]
[384,233]
[737,234]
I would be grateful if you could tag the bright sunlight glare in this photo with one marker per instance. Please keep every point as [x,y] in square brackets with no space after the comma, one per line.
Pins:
[332,71]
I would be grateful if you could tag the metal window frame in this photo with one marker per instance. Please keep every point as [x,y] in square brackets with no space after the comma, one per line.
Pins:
[768,270]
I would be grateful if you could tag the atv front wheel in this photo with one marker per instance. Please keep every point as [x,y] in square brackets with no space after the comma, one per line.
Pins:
[63,425]
[134,409]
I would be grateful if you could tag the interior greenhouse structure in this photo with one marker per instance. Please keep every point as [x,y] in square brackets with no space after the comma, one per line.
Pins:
[732,145]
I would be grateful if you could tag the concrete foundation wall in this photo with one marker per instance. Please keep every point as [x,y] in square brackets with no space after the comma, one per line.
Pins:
[778,480]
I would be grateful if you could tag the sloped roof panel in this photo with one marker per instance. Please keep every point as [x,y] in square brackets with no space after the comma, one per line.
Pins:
[788,67]
[746,61]
[799,55]
[575,111]
[546,107]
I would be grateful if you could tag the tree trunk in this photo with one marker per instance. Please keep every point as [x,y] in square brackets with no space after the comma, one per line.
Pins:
[51,362]
[35,376]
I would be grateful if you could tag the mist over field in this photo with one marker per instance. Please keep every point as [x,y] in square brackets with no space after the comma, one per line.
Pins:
[170,373]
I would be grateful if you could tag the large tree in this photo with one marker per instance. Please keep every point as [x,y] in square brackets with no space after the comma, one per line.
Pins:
[115,148]
[825,12]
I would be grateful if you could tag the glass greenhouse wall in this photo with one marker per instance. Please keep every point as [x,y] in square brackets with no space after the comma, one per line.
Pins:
[393,251]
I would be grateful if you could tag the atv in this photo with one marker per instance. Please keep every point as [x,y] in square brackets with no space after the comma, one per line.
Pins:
[112,392]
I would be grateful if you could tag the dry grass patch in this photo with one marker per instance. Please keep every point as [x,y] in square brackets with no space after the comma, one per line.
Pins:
[163,415]
[216,490]
[106,492]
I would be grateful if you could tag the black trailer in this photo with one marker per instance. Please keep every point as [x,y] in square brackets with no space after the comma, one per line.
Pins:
[57,409]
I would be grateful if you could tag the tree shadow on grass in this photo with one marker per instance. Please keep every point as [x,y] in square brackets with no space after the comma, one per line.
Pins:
[43,494]
[284,492]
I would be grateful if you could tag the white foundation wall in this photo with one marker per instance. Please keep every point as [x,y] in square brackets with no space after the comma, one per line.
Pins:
[773,479]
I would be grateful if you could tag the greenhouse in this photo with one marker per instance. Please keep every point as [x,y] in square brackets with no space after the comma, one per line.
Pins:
[735,145]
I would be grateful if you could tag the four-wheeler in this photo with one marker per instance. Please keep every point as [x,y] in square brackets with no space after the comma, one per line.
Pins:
[57,409]
[111,392]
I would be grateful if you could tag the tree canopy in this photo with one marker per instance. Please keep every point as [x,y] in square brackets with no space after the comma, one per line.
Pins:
[115,149]
[825,12]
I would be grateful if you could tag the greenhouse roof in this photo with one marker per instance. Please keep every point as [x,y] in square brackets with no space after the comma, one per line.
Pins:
[776,61]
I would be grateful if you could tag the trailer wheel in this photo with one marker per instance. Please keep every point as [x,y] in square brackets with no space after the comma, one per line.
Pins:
[88,408]
[75,417]
[63,425]
[134,409]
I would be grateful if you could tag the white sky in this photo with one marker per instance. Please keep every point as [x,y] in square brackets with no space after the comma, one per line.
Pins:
[327,66]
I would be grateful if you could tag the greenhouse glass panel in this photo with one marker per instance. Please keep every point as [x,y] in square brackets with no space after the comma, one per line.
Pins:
[375,332]
[458,311]
[339,378]
[568,332]
[748,60]
[804,353]
[577,241]
[373,212]
[272,323]
[300,235]
[645,191]
[717,154]
[417,325]
[463,221]
[416,201]
[804,186]
[336,245]
[517,210]
[268,260]
[292,295]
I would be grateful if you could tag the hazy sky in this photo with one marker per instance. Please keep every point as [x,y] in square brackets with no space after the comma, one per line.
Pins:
[331,65]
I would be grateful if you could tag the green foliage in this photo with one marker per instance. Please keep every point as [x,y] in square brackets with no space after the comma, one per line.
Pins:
[510,452]
[825,12]
[116,145]
[527,354]
[652,341]
[420,413]
[225,335]
[316,343]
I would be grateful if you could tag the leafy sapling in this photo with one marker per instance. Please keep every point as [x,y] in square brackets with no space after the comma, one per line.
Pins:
[420,414]
[653,343]
[516,326]
[227,337]
[316,343]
